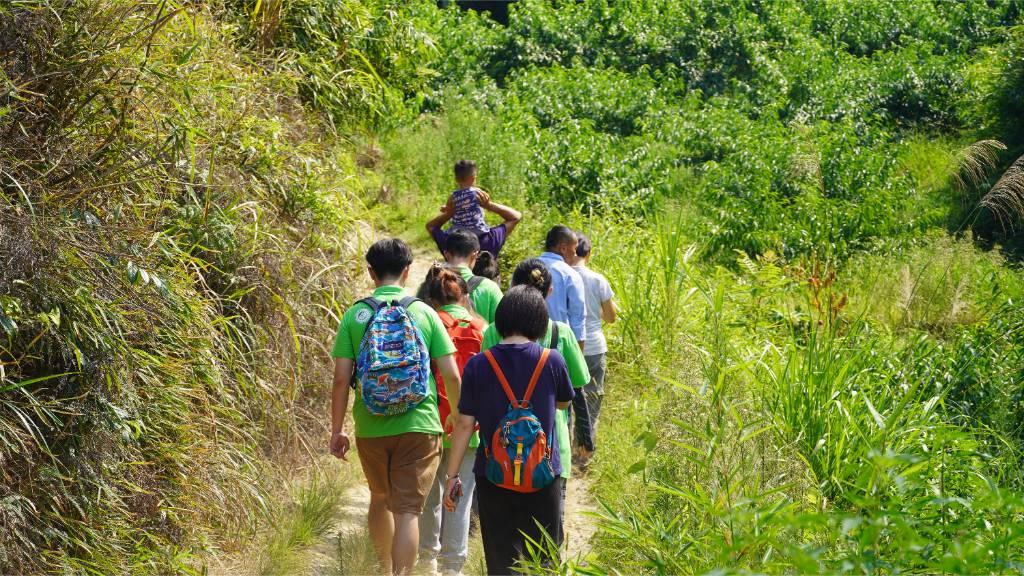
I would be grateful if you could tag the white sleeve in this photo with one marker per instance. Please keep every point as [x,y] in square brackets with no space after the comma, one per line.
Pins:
[606,290]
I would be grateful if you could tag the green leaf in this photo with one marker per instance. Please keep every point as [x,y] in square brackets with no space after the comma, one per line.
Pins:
[133,273]
[874,413]
[637,467]
[30,381]
[9,325]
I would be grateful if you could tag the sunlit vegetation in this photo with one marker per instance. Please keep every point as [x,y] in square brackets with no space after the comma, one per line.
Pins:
[809,211]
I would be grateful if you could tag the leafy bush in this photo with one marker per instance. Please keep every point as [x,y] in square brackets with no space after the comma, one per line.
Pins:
[361,61]
[785,119]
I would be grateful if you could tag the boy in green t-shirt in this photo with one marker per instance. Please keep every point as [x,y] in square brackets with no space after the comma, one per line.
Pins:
[461,251]
[399,454]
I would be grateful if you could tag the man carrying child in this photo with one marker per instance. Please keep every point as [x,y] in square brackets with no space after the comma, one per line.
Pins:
[465,209]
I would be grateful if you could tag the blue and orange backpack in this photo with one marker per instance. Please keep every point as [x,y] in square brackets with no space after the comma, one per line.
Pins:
[518,455]
[393,364]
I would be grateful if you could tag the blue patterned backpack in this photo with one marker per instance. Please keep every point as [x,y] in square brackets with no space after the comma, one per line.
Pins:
[393,364]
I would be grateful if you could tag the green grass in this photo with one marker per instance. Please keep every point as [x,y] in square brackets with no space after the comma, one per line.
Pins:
[313,512]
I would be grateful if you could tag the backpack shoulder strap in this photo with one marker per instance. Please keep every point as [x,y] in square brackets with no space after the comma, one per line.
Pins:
[372,302]
[553,344]
[408,301]
[447,319]
[536,374]
[501,377]
[475,283]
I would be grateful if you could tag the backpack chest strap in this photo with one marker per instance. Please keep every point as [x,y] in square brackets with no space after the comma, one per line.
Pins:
[533,378]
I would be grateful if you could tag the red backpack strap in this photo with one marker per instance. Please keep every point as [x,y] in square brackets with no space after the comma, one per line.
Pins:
[536,374]
[501,378]
[447,319]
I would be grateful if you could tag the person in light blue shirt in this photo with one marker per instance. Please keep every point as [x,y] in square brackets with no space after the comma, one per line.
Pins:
[566,303]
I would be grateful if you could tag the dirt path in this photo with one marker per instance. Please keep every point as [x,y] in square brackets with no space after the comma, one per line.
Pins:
[579,526]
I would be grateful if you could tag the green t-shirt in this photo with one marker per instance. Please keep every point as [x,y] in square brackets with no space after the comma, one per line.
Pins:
[459,313]
[424,417]
[485,298]
[569,348]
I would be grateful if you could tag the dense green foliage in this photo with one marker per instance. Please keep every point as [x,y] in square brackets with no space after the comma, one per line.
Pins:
[819,376]
[780,125]
[174,233]
[820,363]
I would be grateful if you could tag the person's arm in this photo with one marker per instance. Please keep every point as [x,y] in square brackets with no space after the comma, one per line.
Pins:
[510,216]
[460,441]
[463,430]
[339,407]
[609,312]
[447,211]
[452,385]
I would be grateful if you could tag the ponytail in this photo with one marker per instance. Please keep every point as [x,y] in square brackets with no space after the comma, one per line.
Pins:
[533,273]
[487,266]
[445,286]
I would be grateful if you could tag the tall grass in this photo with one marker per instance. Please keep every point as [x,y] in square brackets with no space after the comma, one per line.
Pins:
[173,260]
[785,430]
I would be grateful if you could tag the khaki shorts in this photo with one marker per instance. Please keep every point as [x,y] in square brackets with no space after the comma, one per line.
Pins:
[402,467]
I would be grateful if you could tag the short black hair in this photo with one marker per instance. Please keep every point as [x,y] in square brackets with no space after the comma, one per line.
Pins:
[461,243]
[534,273]
[523,312]
[583,246]
[487,266]
[464,169]
[557,236]
[389,257]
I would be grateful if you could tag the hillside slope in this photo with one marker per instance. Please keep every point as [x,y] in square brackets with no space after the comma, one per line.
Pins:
[176,237]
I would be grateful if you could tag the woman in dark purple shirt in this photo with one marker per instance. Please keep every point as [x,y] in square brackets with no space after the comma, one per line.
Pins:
[505,515]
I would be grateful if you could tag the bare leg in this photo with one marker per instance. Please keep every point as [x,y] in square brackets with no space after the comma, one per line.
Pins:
[406,542]
[382,530]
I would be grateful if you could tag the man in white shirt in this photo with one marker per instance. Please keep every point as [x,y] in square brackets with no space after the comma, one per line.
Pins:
[600,306]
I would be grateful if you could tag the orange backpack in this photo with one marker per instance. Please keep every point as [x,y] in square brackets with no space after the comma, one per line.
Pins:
[468,337]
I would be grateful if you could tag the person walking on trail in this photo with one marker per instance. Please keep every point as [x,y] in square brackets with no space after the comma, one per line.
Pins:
[566,301]
[397,424]
[600,308]
[444,535]
[461,251]
[487,266]
[513,391]
[534,274]
[465,207]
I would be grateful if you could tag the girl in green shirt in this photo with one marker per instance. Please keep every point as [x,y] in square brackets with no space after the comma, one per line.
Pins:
[444,535]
